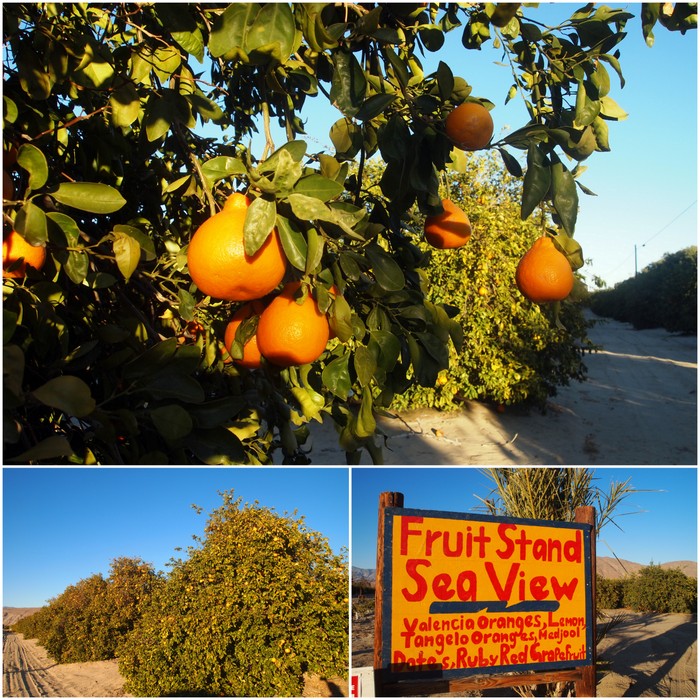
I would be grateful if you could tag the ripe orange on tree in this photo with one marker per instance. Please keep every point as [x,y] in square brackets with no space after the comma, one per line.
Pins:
[290,333]
[543,273]
[469,126]
[252,359]
[15,247]
[451,229]
[218,263]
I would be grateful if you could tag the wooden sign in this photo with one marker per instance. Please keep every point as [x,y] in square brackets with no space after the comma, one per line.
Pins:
[465,594]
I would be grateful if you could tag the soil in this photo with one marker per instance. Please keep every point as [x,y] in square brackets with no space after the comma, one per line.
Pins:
[28,671]
[637,406]
[645,655]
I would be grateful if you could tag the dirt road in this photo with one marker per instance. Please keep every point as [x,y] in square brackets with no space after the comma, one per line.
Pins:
[25,674]
[637,406]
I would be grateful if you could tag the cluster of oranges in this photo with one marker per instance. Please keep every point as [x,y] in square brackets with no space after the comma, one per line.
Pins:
[291,329]
[17,253]
[543,274]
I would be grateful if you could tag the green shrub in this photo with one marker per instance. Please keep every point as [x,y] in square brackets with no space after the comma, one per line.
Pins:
[609,593]
[655,589]
[663,295]
[513,350]
[258,603]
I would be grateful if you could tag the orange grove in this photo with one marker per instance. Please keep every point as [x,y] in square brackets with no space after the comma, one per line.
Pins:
[290,333]
[469,126]
[543,273]
[451,229]
[15,247]
[218,263]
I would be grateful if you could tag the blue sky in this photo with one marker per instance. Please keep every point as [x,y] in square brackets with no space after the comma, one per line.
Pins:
[646,186]
[61,525]
[657,524]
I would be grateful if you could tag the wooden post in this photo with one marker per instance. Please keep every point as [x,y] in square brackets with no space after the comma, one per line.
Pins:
[586,687]
[388,499]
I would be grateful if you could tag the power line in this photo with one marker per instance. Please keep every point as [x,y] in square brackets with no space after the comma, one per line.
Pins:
[670,222]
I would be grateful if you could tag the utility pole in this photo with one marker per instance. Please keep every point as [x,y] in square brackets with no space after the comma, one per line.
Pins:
[635,259]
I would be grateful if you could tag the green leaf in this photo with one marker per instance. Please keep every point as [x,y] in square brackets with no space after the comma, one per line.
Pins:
[347,138]
[565,196]
[366,424]
[151,360]
[586,108]
[387,272]
[186,304]
[93,197]
[172,421]
[389,348]
[310,402]
[348,84]
[537,180]
[220,167]
[51,448]
[319,187]
[511,163]
[227,37]
[34,162]
[31,223]
[68,394]
[571,249]
[341,319]
[272,34]
[314,253]
[336,377]
[287,173]
[374,106]
[259,221]
[308,208]
[170,385]
[400,68]
[293,242]
[365,365]
[217,412]
[609,109]
[295,149]
[127,253]
[145,242]
[13,368]
[125,105]
[216,446]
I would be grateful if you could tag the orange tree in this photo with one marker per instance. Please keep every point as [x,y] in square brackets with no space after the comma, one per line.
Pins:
[111,352]
[260,601]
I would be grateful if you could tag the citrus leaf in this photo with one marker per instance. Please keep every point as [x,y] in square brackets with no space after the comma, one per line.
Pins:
[227,37]
[314,253]
[374,106]
[308,208]
[347,138]
[365,365]
[609,109]
[259,221]
[125,105]
[537,180]
[145,242]
[387,272]
[366,424]
[222,166]
[127,253]
[93,197]
[319,187]
[51,448]
[68,394]
[565,196]
[175,386]
[31,223]
[336,377]
[216,446]
[34,162]
[172,421]
[341,319]
[215,413]
[348,84]
[293,242]
[272,34]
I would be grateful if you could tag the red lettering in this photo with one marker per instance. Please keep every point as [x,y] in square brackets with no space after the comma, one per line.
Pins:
[421,585]
[509,545]
[537,588]
[407,520]
[564,589]
[441,587]
[502,593]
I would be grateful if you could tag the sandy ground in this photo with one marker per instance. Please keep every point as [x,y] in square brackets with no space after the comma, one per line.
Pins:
[28,671]
[637,406]
[644,656]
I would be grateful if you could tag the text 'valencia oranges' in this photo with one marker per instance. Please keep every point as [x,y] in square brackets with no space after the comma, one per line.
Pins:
[543,273]
[218,263]
[290,333]
[451,229]
[469,126]
[15,247]
[251,353]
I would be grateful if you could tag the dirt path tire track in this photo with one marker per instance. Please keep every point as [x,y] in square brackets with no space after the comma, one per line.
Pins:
[25,674]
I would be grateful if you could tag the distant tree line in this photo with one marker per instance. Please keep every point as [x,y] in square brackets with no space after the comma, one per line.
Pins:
[652,589]
[663,295]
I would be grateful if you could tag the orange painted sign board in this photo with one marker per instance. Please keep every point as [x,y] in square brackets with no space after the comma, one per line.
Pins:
[468,594]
